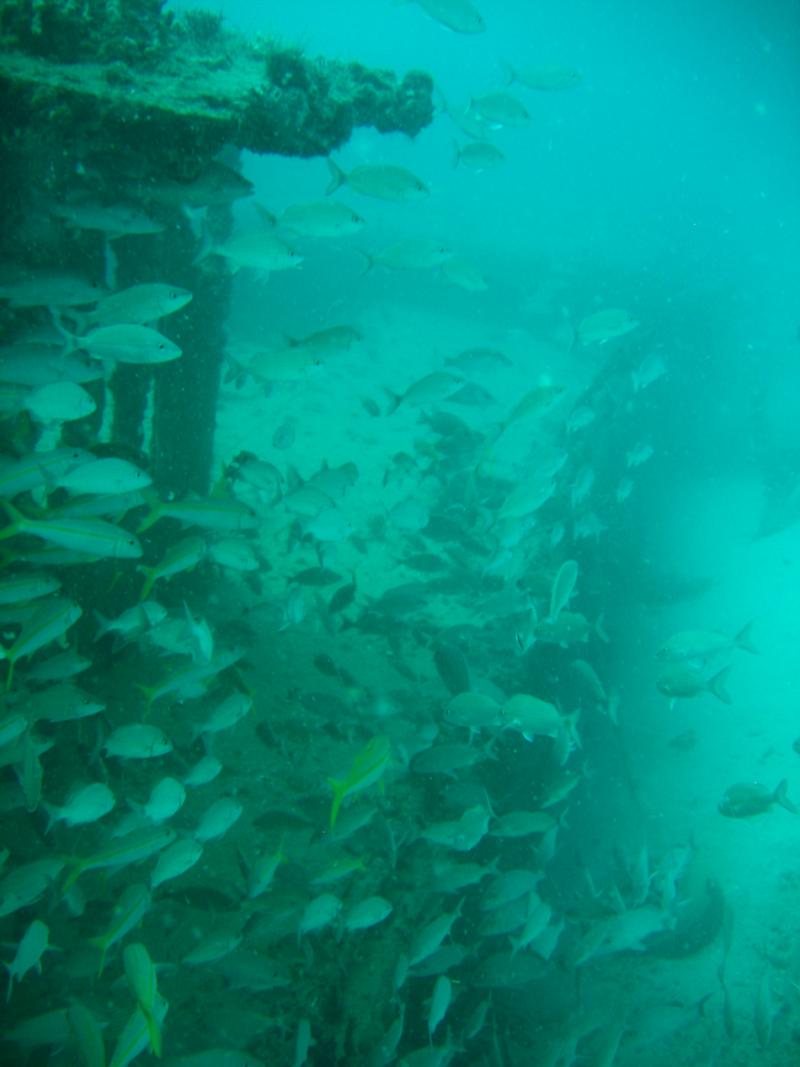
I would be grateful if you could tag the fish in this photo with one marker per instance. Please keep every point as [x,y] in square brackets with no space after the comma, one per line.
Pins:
[137,740]
[26,586]
[201,637]
[142,979]
[226,714]
[328,526]
[381,181]
[447,758]
[315,576]
[256,250]
[38,1031]
[386,1048]
[440,1003]
[125,343]
[579,418]
[262,477]
[452,877]
[684,680]
[546,77]
[509,886]
[216,946]
[531,716]
[87,1035]
[649,371]
[367,768]
[500,109]
[289,364]
[284,436]
[12,727]
[218,819]
[129,850]
[49,622]
[26,884]
[625,932]
[233,553]
[37,470]
[699,646]
[506,970]
[751,798]
[340,867]
[261,873]
[463,834]
[321,219]
[765,1011]
[128,912]
[639,454]
[192,680]
[51,289]
[539,914]
[582,486]
[461,16]
[135,1036]
[134,620]
[12,400]
[428,938]
[429,389]
[367,913]
[466,275]
[204,771]
[35,365]
[138,304]
[479,361]
[114,221]
[166,798]
[327,341]
[568,628]
[522,824]
[505,919]
[319,913]
[326,665]
[478,156]
[32,946]
[477,1019]
[30,772]
[85,805]
[589,675]
[175,860]
[563,587]
[453,669]
[605,325]
[114,506]
[413,253]
[209,513]
[215,185]
[181,557]
[59,402]
[303,1043]
[107,476]
[535,403]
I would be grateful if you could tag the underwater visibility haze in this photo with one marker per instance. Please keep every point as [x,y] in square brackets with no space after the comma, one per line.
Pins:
[400,488]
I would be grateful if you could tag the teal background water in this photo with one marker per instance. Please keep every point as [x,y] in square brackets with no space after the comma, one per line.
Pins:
[665,184]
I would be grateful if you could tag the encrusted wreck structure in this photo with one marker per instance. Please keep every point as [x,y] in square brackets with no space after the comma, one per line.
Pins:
[121,100]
